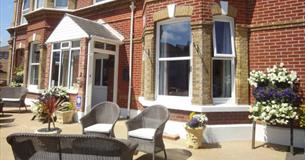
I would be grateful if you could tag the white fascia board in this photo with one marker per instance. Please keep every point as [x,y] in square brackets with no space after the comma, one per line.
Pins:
[67,29]
[176,105]
[112,30]
[106,40]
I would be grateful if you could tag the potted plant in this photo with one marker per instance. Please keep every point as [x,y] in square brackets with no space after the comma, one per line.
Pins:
[276,95]
[194,129]
[65,113]
[50,101]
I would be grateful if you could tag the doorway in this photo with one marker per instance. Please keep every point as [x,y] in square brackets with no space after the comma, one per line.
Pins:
[100,78]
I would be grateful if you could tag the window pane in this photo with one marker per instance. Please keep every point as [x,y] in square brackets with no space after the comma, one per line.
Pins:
[174,78]
[26,4]
[99,0]
[110,47]
[35,53]
[55,68]
[61,3]
[56,46]
[5,55]
[65,44]
[39,3]
[105,72]
[222,79]
[75,44]
[74,67]
[99,45]
[64,68]
[223,38]
[34,74]
[98,64]
[175,39]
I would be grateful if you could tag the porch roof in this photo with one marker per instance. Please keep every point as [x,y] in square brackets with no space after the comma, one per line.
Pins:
[73,27]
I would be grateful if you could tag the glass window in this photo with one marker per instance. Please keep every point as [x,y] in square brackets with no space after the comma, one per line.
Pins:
[25,10]
[99,45]
[75,44]
[223,61]
[34,64]
[38,4]
[110,47]
[223,38]
[26,4]
[98,65]
[98,1]
[222,78]
[61,3]
[65,65]
[6,55]
[174,58]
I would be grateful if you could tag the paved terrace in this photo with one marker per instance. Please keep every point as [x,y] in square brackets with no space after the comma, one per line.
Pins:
[237,150]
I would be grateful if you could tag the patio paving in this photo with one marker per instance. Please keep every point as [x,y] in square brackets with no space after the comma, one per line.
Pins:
[13,122]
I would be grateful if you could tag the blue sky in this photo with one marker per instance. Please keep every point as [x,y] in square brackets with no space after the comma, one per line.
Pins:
[6,14]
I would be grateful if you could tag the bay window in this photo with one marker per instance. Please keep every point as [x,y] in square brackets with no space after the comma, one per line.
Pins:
[223,60]
[173,58]
[34,64]
[25,10]
[62,4]
[65,64]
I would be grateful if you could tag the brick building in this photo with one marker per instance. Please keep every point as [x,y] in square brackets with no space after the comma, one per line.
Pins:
[188,55]
[3,65]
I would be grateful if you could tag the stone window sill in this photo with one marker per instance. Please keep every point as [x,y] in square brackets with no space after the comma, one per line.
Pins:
[197,108]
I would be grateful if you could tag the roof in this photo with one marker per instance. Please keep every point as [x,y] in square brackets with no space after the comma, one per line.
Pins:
[74,27]
[93,28]
[4,49]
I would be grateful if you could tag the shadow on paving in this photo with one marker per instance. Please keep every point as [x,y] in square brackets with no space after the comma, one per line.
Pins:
[298,155]
[172,154]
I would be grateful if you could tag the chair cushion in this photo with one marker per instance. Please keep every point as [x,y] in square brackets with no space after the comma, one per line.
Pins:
[144,133]
[100,127]
[11,99]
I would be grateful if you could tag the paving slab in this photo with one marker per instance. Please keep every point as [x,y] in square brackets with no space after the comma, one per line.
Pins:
[176,149]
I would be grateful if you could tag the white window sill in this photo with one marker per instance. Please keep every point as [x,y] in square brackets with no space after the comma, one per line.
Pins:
[33,89]
[171,104]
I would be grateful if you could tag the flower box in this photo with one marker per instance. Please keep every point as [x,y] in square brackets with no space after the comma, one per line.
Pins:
[65,117]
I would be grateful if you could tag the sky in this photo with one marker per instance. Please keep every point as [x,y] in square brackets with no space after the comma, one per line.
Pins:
[6,14]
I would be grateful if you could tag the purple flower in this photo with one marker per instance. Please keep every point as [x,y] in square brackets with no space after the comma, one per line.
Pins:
[193,123]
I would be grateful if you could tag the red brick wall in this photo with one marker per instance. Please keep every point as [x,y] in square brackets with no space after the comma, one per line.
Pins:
[276,11]
[83,3]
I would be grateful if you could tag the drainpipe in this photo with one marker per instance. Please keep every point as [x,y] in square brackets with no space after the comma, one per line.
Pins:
[132,8]
[14,43]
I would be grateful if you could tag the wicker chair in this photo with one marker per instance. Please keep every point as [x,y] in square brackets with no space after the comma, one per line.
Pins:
[13,96]
[29,146]
[147,129]
[101,119]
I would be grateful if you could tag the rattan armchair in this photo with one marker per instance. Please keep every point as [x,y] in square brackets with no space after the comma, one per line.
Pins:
[101,119]
[29,146]
[147,129]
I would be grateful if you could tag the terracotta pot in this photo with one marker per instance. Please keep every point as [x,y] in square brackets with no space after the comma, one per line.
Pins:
[65,116]
[194,137]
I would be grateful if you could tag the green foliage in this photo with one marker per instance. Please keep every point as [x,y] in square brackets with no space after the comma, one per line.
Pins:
[302,116]
[66,106]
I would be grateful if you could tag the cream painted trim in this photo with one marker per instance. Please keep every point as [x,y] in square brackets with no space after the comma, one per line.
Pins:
[177,105]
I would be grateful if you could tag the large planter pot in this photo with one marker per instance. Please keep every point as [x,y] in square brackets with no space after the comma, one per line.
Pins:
[194,137]
[65,116]
[46,131]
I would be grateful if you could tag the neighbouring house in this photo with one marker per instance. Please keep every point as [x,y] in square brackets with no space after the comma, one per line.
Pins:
[4,65]
[188,55]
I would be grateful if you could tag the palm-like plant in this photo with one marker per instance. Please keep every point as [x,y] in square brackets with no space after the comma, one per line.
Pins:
[49,105]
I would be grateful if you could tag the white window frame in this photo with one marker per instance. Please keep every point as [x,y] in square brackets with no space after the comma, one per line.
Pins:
[60,7]
[32,87]
[230,20]
[218,56]
[35,4]
[166,98]
[60,50]
[23,12]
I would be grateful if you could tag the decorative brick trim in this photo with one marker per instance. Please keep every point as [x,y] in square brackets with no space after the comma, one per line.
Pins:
[242,67]
[180,11]
[277,25]
[216,10]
